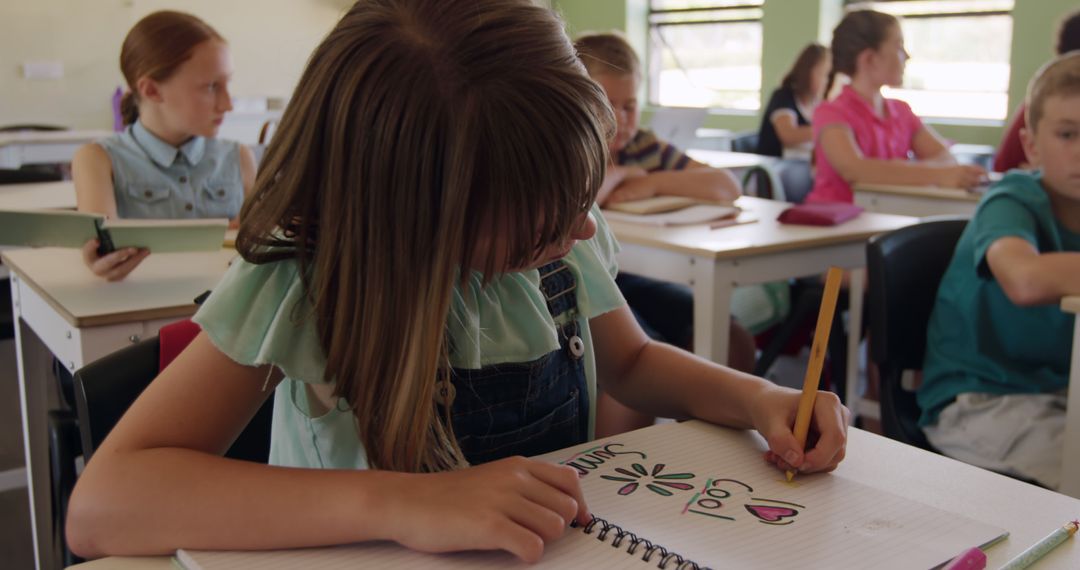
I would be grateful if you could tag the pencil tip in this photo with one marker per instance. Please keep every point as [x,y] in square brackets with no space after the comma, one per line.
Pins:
[790,475]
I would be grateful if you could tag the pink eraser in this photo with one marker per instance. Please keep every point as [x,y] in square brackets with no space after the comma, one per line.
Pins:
[970,559]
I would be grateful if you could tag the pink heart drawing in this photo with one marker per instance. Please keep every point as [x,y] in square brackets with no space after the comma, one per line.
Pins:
[771,515]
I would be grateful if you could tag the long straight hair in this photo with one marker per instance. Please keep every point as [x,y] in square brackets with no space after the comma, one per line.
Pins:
[798,77]
[418,129]
[155,47]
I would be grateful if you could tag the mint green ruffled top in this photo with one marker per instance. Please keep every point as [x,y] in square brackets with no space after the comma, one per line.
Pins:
[258,315]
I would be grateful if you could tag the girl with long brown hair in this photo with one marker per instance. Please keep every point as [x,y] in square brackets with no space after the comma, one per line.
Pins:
[166,163]
[785,124]
[428,290]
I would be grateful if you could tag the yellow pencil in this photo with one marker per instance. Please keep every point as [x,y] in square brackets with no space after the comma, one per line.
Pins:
[817,357]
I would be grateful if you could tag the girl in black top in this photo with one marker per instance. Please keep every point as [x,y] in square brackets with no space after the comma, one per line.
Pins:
[786,121]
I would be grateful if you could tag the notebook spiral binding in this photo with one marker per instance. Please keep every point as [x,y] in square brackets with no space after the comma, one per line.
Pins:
[665,558]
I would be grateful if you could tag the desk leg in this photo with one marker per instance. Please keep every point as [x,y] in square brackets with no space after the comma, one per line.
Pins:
[712,309]
[1070,464]
[34,361]
[852,397]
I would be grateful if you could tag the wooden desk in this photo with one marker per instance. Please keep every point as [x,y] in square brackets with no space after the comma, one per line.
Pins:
[38,195]
[714,262]
[916,201]
[728,159]
[1026,511]
[713,139]
[43,147]
[1070,464]
[64,310]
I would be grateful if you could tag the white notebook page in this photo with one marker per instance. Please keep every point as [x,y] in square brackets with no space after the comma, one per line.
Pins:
[687,487]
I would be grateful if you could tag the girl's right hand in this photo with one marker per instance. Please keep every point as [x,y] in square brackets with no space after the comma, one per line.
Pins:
[514,504]
[112,266]
[964,176]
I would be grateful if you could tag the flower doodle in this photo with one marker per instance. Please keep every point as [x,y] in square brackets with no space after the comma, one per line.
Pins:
[654,480]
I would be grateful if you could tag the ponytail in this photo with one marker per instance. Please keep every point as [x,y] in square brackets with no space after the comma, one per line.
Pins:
[129,109]
[828,84]
[798,77]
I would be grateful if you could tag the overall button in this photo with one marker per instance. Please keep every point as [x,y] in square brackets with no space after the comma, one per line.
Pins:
[189,207]
[183,179]
[445,392]
[576,347]
[221,193]
[148,194]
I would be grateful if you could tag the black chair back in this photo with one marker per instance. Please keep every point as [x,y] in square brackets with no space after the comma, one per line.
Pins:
[105,388]
[27,176]
[745,142]
[904,269]
[31,127]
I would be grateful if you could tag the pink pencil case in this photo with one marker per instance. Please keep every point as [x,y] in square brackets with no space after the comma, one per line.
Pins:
[819,214]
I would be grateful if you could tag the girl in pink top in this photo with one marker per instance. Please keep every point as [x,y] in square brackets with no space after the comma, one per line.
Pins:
[862,137]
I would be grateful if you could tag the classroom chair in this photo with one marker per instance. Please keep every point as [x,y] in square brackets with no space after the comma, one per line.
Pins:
[28,175]
[796,177]
[797,329]
[105,388]
[763,181]
[30,127]
[745,142]
[904,268]
[788,180]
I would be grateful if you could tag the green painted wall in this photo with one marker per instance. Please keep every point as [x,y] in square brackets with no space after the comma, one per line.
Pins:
[791,24]
[1035,26]
[592,15]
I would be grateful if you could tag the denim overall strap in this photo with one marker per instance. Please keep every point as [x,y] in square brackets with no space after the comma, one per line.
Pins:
[533,407]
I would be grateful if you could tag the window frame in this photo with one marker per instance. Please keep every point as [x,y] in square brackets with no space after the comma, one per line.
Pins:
[849,5]
[652,67]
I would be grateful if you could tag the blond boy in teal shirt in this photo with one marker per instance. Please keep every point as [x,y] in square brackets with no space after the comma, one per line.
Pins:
[998,347]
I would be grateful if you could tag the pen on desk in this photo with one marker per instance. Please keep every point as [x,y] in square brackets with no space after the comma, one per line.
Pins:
[973,558]
[733,221]
[817,358]
[1041,548]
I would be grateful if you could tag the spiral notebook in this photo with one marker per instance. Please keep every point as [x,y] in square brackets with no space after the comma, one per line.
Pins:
[690,495]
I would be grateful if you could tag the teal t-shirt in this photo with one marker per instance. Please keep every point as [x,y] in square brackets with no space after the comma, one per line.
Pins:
[978,340]
[258,314]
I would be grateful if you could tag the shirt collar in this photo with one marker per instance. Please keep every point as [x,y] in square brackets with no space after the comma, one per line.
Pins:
[163,153]
[849,93]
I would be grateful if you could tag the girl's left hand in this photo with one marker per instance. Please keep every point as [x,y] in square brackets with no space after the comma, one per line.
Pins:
[774,417]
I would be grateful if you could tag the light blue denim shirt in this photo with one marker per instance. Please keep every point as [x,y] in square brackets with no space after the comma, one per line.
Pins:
[153,179]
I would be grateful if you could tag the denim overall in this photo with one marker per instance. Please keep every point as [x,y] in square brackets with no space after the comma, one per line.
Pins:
[531,407]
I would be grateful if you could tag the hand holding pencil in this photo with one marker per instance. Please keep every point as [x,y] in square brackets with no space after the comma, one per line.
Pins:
[817,357]
[808,409]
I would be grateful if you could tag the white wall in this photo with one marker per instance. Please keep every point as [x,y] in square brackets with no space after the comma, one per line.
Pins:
[270,42]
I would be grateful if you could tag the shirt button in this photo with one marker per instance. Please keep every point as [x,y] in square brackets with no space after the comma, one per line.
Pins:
[183,179]
[148,194]
[221,193]
[189,207]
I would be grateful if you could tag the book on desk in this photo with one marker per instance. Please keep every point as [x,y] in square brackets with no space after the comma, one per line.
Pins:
[59,228]
[689,495]
[675,211]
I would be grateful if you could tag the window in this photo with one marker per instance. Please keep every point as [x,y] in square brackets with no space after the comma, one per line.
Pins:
[959,65]
[705,53]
